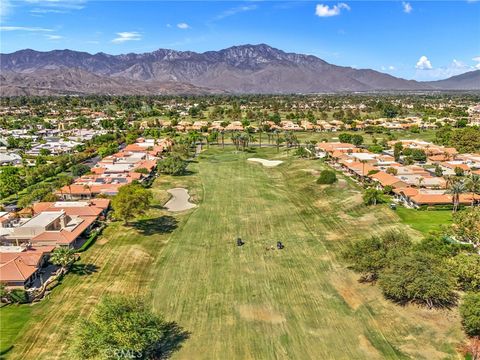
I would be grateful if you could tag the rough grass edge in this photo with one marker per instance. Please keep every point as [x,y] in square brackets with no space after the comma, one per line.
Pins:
[91,238]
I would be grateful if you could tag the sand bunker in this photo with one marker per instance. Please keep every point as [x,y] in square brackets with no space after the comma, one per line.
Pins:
[179,201]
[265,162]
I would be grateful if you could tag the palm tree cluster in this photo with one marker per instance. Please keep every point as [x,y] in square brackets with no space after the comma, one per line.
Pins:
[242,140]
[458,186]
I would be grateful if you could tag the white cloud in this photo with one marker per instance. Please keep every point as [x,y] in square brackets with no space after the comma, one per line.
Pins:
[23,28]
[47,11]
[127,36]
[183,26]
[390,67]
[5,8]
[477,60]
[59,4]
[423,63]
[327,11]
[407,8]
[236,10]
[458,64]
[54,37]
[42,6]
[456,67]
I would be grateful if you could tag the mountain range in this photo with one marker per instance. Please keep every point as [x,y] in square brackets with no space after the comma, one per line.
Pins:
[238,69]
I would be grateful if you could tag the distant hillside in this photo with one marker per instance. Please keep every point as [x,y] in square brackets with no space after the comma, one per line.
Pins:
[238,69]
[64,81]
[467,81]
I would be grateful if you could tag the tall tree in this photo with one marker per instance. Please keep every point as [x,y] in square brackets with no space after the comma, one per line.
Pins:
[132,200]
[473,186]
[121,327]
[456,189]
[63,257]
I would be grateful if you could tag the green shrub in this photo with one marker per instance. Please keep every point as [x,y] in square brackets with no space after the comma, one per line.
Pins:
[18,296]
[470,312]
[91,239]
[172,165]
[327,177]
[419,277]
[122,327]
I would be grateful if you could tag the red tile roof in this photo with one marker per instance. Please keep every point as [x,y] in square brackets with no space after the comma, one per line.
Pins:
[95,207]
[65,237]
[388,180]
[16,270]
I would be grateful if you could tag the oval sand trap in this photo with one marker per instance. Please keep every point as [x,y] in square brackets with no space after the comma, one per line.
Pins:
[265,162]
[179,201]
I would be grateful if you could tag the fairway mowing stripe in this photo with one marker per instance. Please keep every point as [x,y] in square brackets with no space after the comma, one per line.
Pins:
[334,266]
[199,278]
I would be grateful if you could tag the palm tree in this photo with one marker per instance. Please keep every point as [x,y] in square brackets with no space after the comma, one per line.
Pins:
[473,185]
[89,188]
[420,181]
[235,139]
[63,257]
[456,189]
[280,140]
[449,180]
[65,180]
[222,132]
[193,136]
[363,169]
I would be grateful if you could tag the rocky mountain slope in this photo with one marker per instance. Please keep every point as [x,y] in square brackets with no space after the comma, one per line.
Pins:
[238,69]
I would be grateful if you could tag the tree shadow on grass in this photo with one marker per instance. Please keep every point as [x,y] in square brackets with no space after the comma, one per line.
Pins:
[158,207]
[161,225]
[5,351]
[83,269]
[188,173]
[175,335]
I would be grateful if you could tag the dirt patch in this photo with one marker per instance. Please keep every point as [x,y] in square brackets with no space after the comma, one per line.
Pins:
[366,346]
[325,257]
[422,352]
[261,313]
[347,292]
[334,236]
[136,254]
[369,218]
[102,241]
[355,199]
[179,201]
[313,172]
[265,162]
[342,183]
[345,216]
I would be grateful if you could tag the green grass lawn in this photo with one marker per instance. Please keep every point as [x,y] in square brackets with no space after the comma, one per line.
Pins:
[12,322]
[425,220]
[247,302]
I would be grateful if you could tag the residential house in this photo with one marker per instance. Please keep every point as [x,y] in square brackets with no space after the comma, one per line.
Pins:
[20,266]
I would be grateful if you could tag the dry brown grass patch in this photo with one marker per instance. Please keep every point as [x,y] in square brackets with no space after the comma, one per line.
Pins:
[366,346]
[261,313]
[345,287]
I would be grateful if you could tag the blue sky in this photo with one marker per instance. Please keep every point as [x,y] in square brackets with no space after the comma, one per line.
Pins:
[422,40]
